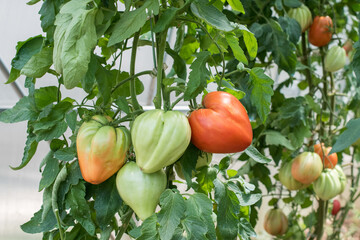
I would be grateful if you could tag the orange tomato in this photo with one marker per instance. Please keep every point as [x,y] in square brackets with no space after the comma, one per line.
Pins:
[320,31]
[329,161]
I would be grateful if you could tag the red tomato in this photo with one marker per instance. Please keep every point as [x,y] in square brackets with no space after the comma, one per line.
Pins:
[223,126]
[331,160]
[320,31]
[336,207]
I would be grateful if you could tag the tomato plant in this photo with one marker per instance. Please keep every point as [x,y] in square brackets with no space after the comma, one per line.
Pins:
[222,126]
[320,32]
[101,149]
[329,161]
[214,61]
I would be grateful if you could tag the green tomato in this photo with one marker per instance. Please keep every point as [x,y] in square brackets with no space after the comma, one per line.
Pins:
[335,59]
[204,159]
[287,179]
[141,191]
[159,138]
[302,15]
[328,185]
[275,222]
[342,178]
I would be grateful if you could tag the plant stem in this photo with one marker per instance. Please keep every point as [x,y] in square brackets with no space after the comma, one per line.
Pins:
[125,219]
[134,101]
[306,63]
[321,216]
[177,101]
[131,78]
[324,95]
[332,104]
[160,59]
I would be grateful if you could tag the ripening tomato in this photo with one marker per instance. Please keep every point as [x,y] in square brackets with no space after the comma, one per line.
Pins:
[336,207]
[329,161]
[275,222]
[306,167]
[222,126]
[101,149]
[287,179]
[320,31]
[141,191]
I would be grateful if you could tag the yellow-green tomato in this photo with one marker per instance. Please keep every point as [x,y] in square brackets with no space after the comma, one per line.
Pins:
[141,191]
[328,185]
[204,159]
[101,148]
[335,59]
[302,15]
[287,179]
[306,167]
[159,138]
[275,222]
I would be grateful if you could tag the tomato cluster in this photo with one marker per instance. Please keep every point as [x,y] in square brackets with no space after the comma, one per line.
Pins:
[159,139]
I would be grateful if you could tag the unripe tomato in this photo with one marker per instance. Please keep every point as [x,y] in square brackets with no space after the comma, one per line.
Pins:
[204,159]
[287,179]
[101,149]
[159,138]
[329,161]
[306,167]
[222,126]
[302,15]
[336,207]
[335,59]
[348,46]
[320,31]
[141,191]
[328,185]
[342,178]
[275,222]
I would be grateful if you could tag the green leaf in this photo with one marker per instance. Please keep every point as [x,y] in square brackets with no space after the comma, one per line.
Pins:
[38,64]
[172,210]
[46,95]
[348,137]
[71,120]
[66,154]
[211,15]
[233,42]
[249,40]
[252,152]
[236,5]
[248,199]
[310,220]
[104,82]
[87,82]
[47,12]
[79,209]
[200,206]
[24,110]
[276,138]
[228,209]
[205,178]
[224,163]
[32,2]
[198,76]
[49,174]
[298,135]
[293,111]
[107,202]
[124,89]
[246,230]
[131,21]
[313,105]
[74,39]
[355,63]
[194,227]
[291,27]
[37,225]
[29,151]
[148,229]
[179,64]
[122,103]
[73,177]
[165,20]
[292,3]
[188,162]
[47,202]
[54,132]
[25,50]
[261,92]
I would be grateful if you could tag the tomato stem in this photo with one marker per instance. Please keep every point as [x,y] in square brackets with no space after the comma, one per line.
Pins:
[161,45]
[125,219]
[134,100]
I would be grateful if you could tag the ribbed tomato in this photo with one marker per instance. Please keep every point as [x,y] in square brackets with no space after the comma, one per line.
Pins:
[287,179]
[275,222]
[306,167]
[302,15]
[328,185]
[222,126]
[320,31]
[101,149]
[335,59]
[329,161]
